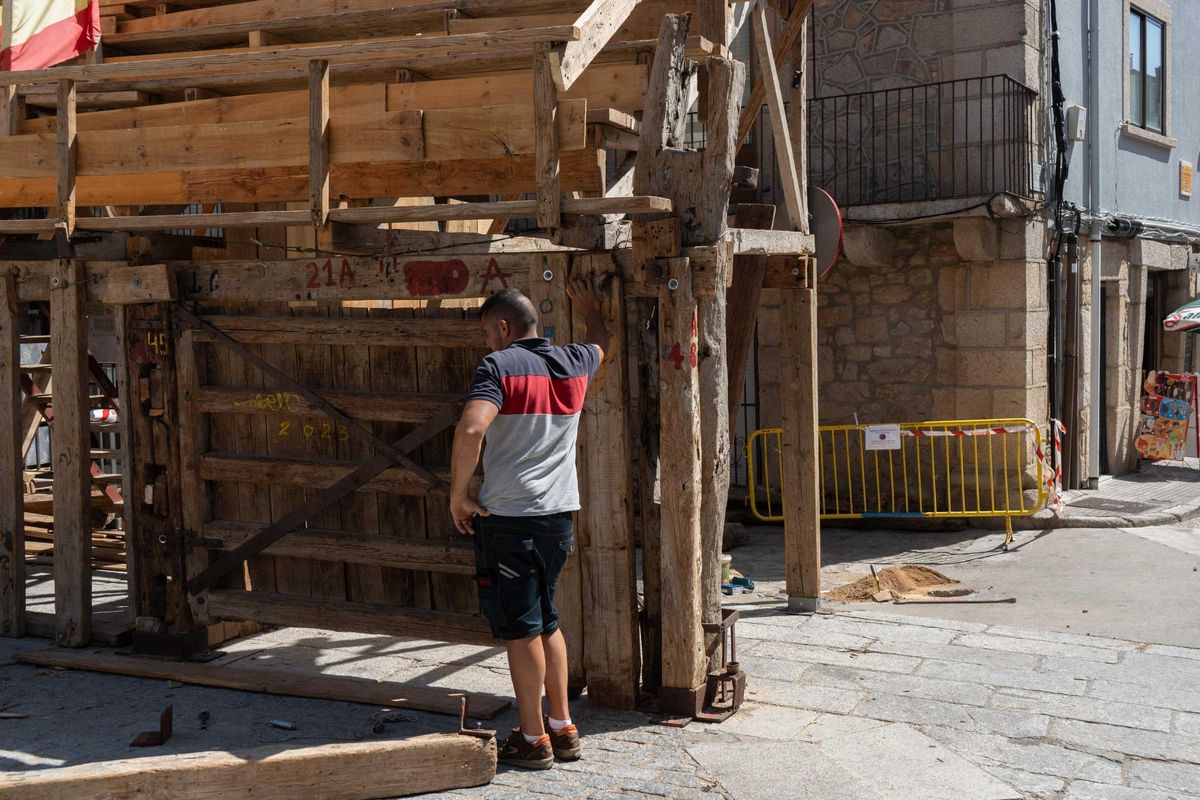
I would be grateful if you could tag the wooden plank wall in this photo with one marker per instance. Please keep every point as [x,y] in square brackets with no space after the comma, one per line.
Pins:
[264,429]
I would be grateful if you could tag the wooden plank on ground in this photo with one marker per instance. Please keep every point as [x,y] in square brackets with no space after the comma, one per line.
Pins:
[12,488]
[358,771]
[72,447]
[683,658]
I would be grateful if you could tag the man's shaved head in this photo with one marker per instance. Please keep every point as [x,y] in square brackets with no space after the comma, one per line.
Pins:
[511,306]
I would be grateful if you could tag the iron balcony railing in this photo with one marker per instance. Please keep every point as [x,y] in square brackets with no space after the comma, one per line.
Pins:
[936,141]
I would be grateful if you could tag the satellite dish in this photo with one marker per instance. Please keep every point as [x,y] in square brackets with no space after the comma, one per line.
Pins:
[826,224]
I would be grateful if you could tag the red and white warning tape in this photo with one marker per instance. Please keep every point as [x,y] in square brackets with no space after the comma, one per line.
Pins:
[951,432]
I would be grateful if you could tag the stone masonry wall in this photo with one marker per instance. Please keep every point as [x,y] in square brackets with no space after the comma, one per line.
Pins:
[863,45]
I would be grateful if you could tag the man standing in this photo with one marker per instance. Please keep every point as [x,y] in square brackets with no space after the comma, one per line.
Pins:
[526,399]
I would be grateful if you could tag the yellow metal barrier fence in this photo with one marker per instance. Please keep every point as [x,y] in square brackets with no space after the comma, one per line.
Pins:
[957,468]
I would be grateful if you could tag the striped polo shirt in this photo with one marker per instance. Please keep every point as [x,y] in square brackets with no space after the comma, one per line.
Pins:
[529,460]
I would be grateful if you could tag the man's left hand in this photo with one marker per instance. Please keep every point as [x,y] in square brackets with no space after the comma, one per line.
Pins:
[464,510]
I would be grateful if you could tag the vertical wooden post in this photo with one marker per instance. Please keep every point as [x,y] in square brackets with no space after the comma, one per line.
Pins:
[797,113]
[318,140]
[193,441]
[605,535]
[12,511]
[800,451]
[548,291]
[784,155]
[742,308]
[545,116]
[645,374]
[72,450]
[713,22]
[713,400]
[12,111]
[683,658]
[68,151]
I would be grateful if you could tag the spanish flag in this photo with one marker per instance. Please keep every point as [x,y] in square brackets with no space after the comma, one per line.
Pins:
[40,33]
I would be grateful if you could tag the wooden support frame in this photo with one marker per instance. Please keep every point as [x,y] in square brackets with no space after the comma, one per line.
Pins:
[318,140]
[784,154]
[298,516]
[605,535]
[545,111]
[548,292]
[791,33]
[12,512]
[67,155]
[72,448]
[800,451]
[12,111]
[596,26]
[683,659]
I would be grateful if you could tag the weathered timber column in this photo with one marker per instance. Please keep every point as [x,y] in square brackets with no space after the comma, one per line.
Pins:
[548,291]
[12,509]
[71,451]
[643,339]
[545,120]
[683,659]
[742,305]
[605,533]
[800,451]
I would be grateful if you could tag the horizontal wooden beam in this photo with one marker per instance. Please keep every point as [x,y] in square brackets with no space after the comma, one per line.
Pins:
[309,473]
[581,170]
[449,556]
[384,331]
[358,771]
[269,681]
[376,406]
[292,56]
[497,131]
[357,278]
[751,242]
[335,615]
[376,215]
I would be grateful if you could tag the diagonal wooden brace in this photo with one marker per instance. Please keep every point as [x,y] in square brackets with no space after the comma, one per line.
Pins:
[319,502]
[353,427]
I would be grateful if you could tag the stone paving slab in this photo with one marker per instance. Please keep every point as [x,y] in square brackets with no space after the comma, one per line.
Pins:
[858,704]
[1164,493]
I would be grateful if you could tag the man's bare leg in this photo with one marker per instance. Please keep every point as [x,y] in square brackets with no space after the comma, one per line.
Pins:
[554,647]
[527,666]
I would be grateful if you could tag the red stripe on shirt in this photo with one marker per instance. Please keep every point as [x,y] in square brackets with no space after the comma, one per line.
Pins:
[541,394]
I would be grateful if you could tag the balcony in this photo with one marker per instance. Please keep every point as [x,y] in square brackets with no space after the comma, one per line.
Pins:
[939,141]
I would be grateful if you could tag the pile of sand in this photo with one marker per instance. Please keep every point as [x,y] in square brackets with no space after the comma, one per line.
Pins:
[908,580]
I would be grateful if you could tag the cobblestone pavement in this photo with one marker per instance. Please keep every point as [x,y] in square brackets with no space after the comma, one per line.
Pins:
[855,703]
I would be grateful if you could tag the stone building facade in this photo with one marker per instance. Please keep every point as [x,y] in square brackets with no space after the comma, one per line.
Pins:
[940,308]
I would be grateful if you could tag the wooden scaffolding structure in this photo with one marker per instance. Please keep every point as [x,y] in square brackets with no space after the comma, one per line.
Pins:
[289,386]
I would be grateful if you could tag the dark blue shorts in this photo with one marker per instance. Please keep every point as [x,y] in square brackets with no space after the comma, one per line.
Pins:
[518,561]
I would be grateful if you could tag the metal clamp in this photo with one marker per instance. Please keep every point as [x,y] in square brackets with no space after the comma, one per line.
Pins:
[479,733]
[548,275]
[673,284]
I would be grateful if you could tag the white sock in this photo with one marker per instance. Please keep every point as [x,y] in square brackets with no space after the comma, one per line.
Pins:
[530,739]
[558,724]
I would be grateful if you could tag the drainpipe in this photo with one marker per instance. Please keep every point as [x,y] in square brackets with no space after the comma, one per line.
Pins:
[1093,134]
